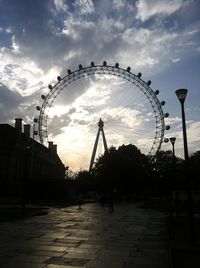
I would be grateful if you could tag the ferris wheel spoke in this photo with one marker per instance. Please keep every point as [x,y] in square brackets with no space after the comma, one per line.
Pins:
[127,105]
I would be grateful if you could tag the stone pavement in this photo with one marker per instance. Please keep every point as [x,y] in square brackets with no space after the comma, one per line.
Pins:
[92,237]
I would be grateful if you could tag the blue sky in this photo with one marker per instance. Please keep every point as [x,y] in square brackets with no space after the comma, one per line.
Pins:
[40,40]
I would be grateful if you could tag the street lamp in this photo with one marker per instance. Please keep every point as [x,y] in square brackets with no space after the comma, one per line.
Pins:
[172,140]
[181,94]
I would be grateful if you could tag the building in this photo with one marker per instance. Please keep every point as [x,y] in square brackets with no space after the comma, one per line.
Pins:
[27,166]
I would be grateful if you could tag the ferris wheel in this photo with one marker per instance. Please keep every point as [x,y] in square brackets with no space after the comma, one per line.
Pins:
[128,106]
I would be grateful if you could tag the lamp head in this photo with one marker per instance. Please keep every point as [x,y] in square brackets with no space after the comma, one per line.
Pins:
[181,94]
[172,139]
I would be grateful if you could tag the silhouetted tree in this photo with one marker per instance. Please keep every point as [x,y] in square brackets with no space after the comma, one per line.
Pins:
[194,169]
[123,169]
[85,182]
[127,170]
[168,170]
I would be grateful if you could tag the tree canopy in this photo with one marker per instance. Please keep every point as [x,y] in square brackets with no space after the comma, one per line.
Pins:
[127,170]
[123,168]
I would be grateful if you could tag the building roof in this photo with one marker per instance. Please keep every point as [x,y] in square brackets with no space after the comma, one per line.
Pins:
[8,134]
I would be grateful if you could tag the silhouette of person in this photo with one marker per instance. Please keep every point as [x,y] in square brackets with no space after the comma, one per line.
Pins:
[79,201]
[110,201]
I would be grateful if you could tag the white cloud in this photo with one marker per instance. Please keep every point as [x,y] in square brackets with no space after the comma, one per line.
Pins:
[58,110]
[118,4]
[126,115]
[21,74]
[75,28]
[15,47]
[85,6]
[175,60]
[7,30]
[193,132]
[60,5]
[193,136]
[147,48]
[147,9]
[192,32]
[173,120]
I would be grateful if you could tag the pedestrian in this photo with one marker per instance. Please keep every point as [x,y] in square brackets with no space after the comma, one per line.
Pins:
[110,201]
[79,201]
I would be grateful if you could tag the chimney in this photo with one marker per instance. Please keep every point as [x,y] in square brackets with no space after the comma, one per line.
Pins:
[27,130]
[18,125]
[51,146]
[54,148]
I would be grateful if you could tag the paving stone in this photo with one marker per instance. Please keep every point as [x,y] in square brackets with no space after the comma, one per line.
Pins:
[23,264]
[111,252]
[90,247]
[80,255]
[30,259]
[49,253]
[67,261]
[62,266]
[83,250]
[104,264]
[93,237]
[139,265]
[53,248]
[113,258]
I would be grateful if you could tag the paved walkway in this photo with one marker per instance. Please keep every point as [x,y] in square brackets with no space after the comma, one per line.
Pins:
[91,237]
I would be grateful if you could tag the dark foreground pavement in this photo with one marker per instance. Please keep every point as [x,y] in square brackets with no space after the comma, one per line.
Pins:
[130,237]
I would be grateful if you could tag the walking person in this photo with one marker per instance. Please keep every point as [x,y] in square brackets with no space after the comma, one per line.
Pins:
[110,200]
[79,201]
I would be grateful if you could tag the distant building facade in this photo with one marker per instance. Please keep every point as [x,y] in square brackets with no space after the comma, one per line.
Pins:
[26,163]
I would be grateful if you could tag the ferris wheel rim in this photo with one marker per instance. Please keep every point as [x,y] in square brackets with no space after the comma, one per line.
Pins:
[105,69]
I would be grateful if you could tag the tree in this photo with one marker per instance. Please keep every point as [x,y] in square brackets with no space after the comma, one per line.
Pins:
[123,169]
[85,182]
[168,170]
[194,169]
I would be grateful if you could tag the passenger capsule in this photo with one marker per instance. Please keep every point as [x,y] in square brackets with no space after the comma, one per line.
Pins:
[59,78]
[35,132]
[149,83]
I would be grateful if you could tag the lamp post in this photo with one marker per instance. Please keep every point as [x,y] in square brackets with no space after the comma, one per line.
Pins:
[172,140]
[35,133]
[181,94]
